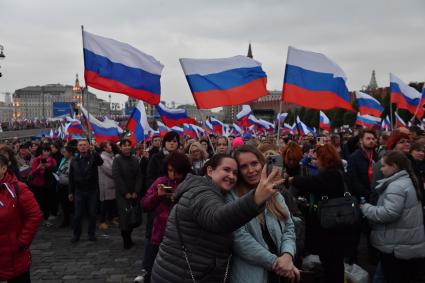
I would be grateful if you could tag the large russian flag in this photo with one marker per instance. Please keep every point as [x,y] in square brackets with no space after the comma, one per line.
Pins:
[138,124]
[102,131]
[115,66]
[368,105]
[367,121]
[313,80]
[325,123]
[405,97]
[225,81]
[174,117]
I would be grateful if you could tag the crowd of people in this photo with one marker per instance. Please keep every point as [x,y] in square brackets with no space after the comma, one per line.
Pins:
[225,209]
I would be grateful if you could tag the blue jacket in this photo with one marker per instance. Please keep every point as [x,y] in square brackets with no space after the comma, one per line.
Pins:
[252,259]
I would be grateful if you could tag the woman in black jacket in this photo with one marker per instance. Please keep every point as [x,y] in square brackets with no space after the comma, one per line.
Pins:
[203,223]
[331,245]
[125,168]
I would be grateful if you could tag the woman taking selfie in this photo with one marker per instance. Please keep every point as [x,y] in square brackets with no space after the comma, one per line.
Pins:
[264,248]
[198,240]
[398,227]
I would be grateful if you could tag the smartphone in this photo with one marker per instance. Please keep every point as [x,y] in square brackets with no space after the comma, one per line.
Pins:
[274,161]
[168,189]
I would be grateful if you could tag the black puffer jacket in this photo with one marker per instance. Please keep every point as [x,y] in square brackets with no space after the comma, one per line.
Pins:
[206,223]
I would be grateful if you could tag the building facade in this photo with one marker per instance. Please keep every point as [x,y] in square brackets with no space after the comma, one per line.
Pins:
[37,101]
[6,112]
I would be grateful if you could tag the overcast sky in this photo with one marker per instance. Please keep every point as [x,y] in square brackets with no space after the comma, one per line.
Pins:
[42,39]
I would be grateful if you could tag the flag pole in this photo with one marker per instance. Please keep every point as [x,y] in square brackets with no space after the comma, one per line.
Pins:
[84,89]
[279,123]
[391,115]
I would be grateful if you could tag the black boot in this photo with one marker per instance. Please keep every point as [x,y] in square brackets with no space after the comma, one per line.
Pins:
[126,239]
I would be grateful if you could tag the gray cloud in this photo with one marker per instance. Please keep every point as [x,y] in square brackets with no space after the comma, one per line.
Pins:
[42,39]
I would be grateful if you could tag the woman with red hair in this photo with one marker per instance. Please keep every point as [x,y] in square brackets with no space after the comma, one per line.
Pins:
[331,245]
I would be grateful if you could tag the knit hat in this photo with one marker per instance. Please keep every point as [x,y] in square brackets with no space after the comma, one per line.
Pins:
[237,142]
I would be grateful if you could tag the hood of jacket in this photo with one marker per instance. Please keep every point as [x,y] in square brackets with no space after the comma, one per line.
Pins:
[383,184]
[197,183]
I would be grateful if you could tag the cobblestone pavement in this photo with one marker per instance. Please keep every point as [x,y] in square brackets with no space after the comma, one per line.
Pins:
[55,259]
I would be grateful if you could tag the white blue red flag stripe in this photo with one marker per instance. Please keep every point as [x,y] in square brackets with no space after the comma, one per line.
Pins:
[399,123]
[367,121]
[325,123]
[242,116]
[178,130]
[174,117]
[73,126]
[236,130]
[118,67]
[303,128]
[102,131]
[217,126]
[314,81]
[138,124]
[405,97]
[386,124]
[368,105]
[162,129]
[188,130]
[281,117]
[225,81]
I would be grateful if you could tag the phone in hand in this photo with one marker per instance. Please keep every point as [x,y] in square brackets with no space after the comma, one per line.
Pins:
[168,189]
[274,161]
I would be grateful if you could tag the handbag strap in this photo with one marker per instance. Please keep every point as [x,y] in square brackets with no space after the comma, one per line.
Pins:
[226,274]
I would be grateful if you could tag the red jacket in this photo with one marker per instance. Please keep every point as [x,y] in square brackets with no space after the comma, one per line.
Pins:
[161,206]
[20,217]
[38,174]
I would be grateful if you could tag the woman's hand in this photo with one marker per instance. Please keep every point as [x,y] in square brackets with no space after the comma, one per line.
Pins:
[161,190]
[284,266]
[268,185]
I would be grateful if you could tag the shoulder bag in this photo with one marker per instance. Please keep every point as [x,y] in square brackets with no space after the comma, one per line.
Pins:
[339,213]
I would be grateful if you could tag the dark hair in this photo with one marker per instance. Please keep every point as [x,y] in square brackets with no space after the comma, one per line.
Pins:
[70,149]
[363,132]
[417,146]
[46,147]
[179,161]
[57,145]
[215,161]
[3,160]
[124,141]
[398,158]
[9,151]
[171,136]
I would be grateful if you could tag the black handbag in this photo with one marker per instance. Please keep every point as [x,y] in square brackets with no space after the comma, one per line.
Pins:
[339,213]
[133,214]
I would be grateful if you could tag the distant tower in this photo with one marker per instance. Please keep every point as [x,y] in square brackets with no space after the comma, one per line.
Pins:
[373,84]
[8,99]
[249,51]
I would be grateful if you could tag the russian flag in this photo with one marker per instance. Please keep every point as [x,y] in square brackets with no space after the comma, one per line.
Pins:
[325,123]
[178,130]
[265,124]
[281,117]
[217,126]
[367,121]
[399,123]
[73,126]
[291,129]
[386,124]
[138,123]
[225,81]
[199,130]
[303,128]
[242,116]
[313,80]
[115,66]
[209,126]
[102,131]
[368,105]
[236,130]
[188,130]
[162,129]
[174,117]
[405,97]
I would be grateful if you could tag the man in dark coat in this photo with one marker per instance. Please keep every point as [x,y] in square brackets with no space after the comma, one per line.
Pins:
[83,188]
[360,164]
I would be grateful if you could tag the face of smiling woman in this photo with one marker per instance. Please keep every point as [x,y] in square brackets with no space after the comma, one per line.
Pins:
[225,174]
